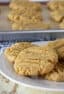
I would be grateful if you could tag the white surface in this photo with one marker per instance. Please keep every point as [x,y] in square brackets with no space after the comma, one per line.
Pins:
[7,70]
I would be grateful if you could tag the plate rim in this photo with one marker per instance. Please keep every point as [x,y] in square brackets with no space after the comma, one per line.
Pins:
[30,86]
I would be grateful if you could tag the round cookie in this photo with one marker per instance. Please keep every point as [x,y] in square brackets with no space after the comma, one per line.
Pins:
[12,52]
[57,74]
[35,61]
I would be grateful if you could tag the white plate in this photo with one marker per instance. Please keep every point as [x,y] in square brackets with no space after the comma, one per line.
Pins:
[7,70]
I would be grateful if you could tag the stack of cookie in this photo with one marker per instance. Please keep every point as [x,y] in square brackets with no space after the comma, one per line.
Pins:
[32,60]
[57,74]
[25,15]
[57,12]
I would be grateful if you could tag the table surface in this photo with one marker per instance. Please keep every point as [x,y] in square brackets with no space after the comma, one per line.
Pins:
[8,87]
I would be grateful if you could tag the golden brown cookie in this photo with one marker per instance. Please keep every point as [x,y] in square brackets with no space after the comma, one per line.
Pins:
[57,74]
[35,61]
[12,52]
[58,45]
[25,15]
[56,13]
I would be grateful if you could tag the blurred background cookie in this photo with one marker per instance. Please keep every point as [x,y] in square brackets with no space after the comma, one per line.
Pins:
[56,9]
[27,16]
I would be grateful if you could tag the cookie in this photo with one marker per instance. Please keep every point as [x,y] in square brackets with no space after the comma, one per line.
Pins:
[35,61]
[56,13]
[20,20]
[12,52]
[57,74]
[58,45]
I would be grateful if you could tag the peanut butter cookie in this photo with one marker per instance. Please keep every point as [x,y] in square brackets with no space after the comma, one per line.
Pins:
[56,12]
[35,61]
[58,45]
[12,52]
[57,74]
